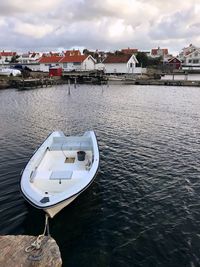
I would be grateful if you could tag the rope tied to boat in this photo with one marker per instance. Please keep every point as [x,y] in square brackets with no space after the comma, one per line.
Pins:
[36,247]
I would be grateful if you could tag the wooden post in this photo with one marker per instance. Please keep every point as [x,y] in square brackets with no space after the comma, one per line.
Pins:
[13,252]
[69,87]
[186,76]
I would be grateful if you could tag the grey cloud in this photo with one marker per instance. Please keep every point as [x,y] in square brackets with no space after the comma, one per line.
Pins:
[175,26]
[86,23]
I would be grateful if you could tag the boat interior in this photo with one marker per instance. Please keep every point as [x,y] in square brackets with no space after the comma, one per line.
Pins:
[66,161]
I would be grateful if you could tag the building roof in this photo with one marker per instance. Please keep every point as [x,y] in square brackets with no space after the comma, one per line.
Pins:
[174,59]
[193,52]
[7,54]
[129,50]
[117,58]
[71,59]
[155,51]
[49,59]
[72,53]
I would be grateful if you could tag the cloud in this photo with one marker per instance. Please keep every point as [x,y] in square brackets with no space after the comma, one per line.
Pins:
[108,24]
[36,31]
[10,7]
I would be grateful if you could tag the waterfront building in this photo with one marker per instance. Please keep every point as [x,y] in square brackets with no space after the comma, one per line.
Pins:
[121,64]
[190,57]
[186,51]
[6,57]
[173,63]
[77,62]
[47,62]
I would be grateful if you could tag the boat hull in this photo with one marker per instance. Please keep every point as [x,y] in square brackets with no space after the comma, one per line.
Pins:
[52,211]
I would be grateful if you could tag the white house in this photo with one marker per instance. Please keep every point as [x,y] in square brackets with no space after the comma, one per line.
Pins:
[5,57]
[186,51]
[77,62]
[30,57]
[192,60]
[49,61]
[121,63]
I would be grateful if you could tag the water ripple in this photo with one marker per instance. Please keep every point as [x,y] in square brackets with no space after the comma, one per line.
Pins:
[143,208]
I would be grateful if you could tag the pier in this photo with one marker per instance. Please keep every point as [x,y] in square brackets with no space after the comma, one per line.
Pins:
[31,83]
[40,80]
[16,251]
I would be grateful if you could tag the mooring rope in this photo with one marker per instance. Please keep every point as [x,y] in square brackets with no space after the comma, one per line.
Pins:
[36,246]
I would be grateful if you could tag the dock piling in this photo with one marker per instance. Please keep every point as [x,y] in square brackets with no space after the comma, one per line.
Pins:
[69,91]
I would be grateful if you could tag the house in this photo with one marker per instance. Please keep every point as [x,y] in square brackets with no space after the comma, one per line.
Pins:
[30,57]
[159,52]
[173,63]
[47,62]
[77,62]
[121,64]
[6,57]
[186,51]
[69,60]
[192,60]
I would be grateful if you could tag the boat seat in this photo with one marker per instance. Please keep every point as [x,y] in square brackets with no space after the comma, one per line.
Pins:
[61,139]
[84,145]
[38,175]
[61,175]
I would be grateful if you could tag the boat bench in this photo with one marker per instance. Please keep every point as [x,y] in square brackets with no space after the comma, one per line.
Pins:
[61,175]
[70,143]
[51,175]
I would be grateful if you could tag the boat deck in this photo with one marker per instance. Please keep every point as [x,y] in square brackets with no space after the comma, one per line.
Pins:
[59,170]
[64,160]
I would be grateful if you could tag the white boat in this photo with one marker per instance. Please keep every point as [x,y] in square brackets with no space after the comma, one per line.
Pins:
[9,72]
[61,169]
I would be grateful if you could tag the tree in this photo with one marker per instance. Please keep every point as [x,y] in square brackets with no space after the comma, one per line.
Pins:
[146,61]
[142,59]
[14,59]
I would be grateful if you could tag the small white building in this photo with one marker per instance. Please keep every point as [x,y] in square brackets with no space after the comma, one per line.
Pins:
[120,64]
[77,62]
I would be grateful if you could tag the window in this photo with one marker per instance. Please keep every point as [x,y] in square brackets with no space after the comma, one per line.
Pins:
[77,63]
[195,61]
[65,65]
[190,61]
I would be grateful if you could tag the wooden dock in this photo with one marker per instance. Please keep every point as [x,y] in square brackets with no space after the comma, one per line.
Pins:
[24,84]
[85,77]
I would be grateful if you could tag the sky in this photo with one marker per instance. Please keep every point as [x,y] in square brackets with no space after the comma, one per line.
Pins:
[56,25]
